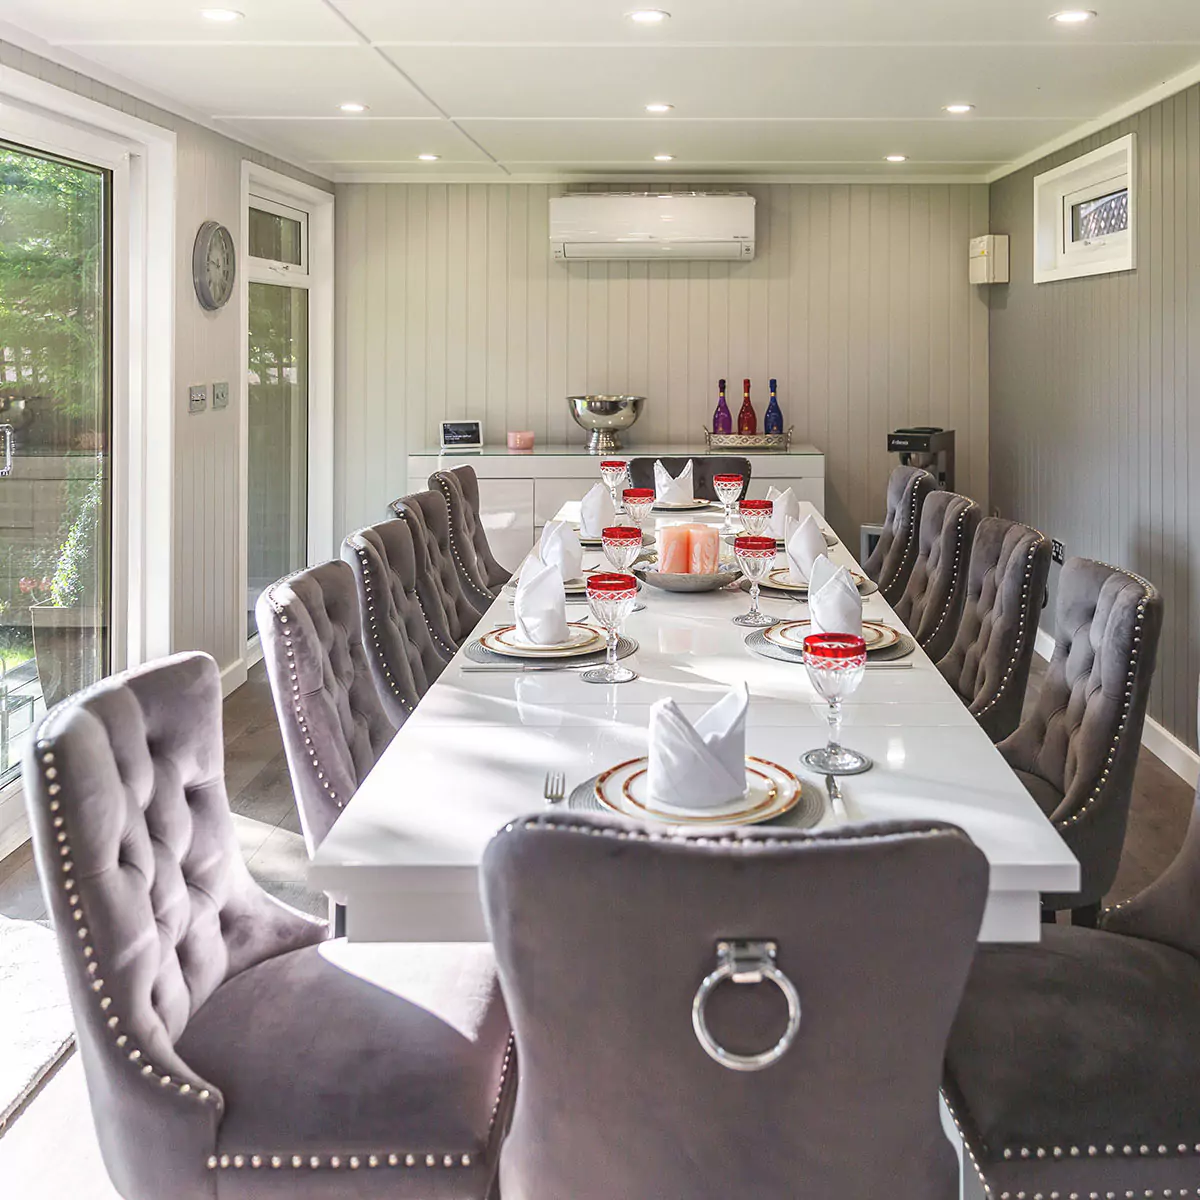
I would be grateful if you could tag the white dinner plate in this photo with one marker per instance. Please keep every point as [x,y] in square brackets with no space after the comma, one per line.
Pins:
[779,579]
[791,634]
[680,505]
[584,639]
[771,790]
[595,543]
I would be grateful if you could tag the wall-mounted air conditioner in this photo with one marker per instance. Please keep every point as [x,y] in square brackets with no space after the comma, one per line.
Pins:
[664,225]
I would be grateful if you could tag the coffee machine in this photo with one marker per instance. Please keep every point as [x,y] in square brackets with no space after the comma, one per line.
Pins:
[927,446]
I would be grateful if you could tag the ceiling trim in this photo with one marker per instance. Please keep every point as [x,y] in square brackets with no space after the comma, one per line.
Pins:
[727,180]
[69,61]
[1155,95]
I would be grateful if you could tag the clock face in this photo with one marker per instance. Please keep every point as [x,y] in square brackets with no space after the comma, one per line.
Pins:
[214,265]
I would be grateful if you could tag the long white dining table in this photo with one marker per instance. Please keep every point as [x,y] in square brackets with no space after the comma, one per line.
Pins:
[404,855]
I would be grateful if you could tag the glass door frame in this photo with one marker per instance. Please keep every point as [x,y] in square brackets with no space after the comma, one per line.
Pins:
[317,277]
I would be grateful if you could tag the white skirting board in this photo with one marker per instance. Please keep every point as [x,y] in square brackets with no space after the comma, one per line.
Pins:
[1182,759]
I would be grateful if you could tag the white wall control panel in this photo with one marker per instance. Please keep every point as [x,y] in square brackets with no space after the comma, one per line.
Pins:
[989,258]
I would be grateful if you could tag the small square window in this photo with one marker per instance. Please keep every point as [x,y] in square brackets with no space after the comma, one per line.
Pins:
[1093,219]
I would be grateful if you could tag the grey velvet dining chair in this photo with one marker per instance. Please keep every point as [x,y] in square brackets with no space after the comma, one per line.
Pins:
[932,603]
[453,610]
[988,664]
[704,467]
[469,541]
[1073,1069]
[761,1013]
[330,714]
[231,1051]
[399,647]
[1077,751]
[891,562]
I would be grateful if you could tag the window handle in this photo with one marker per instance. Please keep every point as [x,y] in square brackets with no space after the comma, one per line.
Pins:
[6,432]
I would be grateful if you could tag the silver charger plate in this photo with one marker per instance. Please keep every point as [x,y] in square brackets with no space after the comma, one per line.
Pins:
[809,809]
[688,583]
[479,654]
[759,644]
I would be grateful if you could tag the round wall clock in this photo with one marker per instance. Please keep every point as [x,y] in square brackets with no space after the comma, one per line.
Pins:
[214,264]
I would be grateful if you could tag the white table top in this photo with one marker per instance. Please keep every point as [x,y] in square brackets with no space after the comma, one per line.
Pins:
[475,753]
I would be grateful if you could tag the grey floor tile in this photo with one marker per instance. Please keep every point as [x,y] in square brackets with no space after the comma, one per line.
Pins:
[281,858]
[316,904]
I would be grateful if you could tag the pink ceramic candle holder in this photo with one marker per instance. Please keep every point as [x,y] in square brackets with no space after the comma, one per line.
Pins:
[522,440]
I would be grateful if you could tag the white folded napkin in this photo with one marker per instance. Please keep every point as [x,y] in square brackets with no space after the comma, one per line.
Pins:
[596,511]
[834,605]
[673,491]
[803,544]
[784,505]
[559,547]
[701,765]
[541,604]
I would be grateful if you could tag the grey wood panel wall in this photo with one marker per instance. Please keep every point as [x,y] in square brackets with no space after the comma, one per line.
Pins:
[1092,381]
[858,302]
[205,581]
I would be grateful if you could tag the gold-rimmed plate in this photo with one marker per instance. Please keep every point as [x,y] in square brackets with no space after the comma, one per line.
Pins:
[680,505]
[584,639]
[779,579]
[790,635]
[595,543]
[771,791]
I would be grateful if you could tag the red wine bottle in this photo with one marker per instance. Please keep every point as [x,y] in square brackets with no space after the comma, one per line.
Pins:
[722,421]
[747,418]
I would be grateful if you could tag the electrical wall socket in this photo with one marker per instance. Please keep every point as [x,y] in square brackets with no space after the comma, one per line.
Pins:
[1058,552]
[197,398]
[220,395]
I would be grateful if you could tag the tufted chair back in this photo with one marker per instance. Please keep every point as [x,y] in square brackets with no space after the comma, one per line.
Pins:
[400,649]
[477,565]
[452,610]
[704,467]
[875,927]
[988,664]
[1077,750]
[333,722]
[152,905]
[932,603]
[891,562]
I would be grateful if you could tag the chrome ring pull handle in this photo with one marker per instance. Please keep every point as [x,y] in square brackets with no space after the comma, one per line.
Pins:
[6,462]
[746,962]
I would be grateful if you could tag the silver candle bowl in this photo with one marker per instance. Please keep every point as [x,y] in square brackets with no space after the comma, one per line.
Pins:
[605,417]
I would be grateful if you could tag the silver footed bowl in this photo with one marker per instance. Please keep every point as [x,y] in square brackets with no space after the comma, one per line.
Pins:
[688,583]
[605,418]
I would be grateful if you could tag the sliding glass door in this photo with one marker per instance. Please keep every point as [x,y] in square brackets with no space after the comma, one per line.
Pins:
[55,429]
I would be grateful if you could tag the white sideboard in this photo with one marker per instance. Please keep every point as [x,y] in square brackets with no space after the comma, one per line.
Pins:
[520,490]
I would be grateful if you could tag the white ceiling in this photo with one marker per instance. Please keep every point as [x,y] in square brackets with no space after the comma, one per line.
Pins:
[557,88]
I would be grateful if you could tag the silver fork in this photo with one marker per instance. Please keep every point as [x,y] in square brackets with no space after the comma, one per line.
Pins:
[555,788]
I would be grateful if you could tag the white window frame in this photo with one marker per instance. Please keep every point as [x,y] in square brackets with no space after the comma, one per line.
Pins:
[1056,253]
[262,188]
[265,203]
[141,158]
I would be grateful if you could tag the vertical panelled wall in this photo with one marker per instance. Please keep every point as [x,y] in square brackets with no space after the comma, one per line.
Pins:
[858,302]
[1091,385]
[207,350]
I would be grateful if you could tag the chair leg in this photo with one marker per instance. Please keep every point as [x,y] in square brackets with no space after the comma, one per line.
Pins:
[1086,916]
[337,918]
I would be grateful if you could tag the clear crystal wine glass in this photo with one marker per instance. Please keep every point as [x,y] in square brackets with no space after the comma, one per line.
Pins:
[638,503]
[611,599]
[835,663]
[755,556]
[755,514]
[728,489]
[622,546]
[614,472]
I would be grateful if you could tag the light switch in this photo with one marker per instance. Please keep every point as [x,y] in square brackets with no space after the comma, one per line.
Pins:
[220,395]
[197,398]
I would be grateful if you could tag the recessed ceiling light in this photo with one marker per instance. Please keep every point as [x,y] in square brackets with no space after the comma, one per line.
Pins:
[659,108]
[223,15]
[664,158]
[352,106]
[429,157]
[959,109]
[1073,16]
[649,16]
[897,158]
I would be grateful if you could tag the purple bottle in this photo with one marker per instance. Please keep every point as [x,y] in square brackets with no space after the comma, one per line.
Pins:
[722,421]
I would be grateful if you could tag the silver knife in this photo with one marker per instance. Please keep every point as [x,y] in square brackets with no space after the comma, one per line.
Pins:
[480,670]
[835,797]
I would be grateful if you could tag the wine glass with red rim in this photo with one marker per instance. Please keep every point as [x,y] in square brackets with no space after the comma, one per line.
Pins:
[611,598]
[755,514]
[622,545]
[728,489]
[614,472]
[638,503]
[755,556]
[835,664]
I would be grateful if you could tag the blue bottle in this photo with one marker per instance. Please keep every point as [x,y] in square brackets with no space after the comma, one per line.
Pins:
[773,418]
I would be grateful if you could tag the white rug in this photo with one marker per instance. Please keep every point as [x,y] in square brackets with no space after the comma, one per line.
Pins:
[35,1015]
